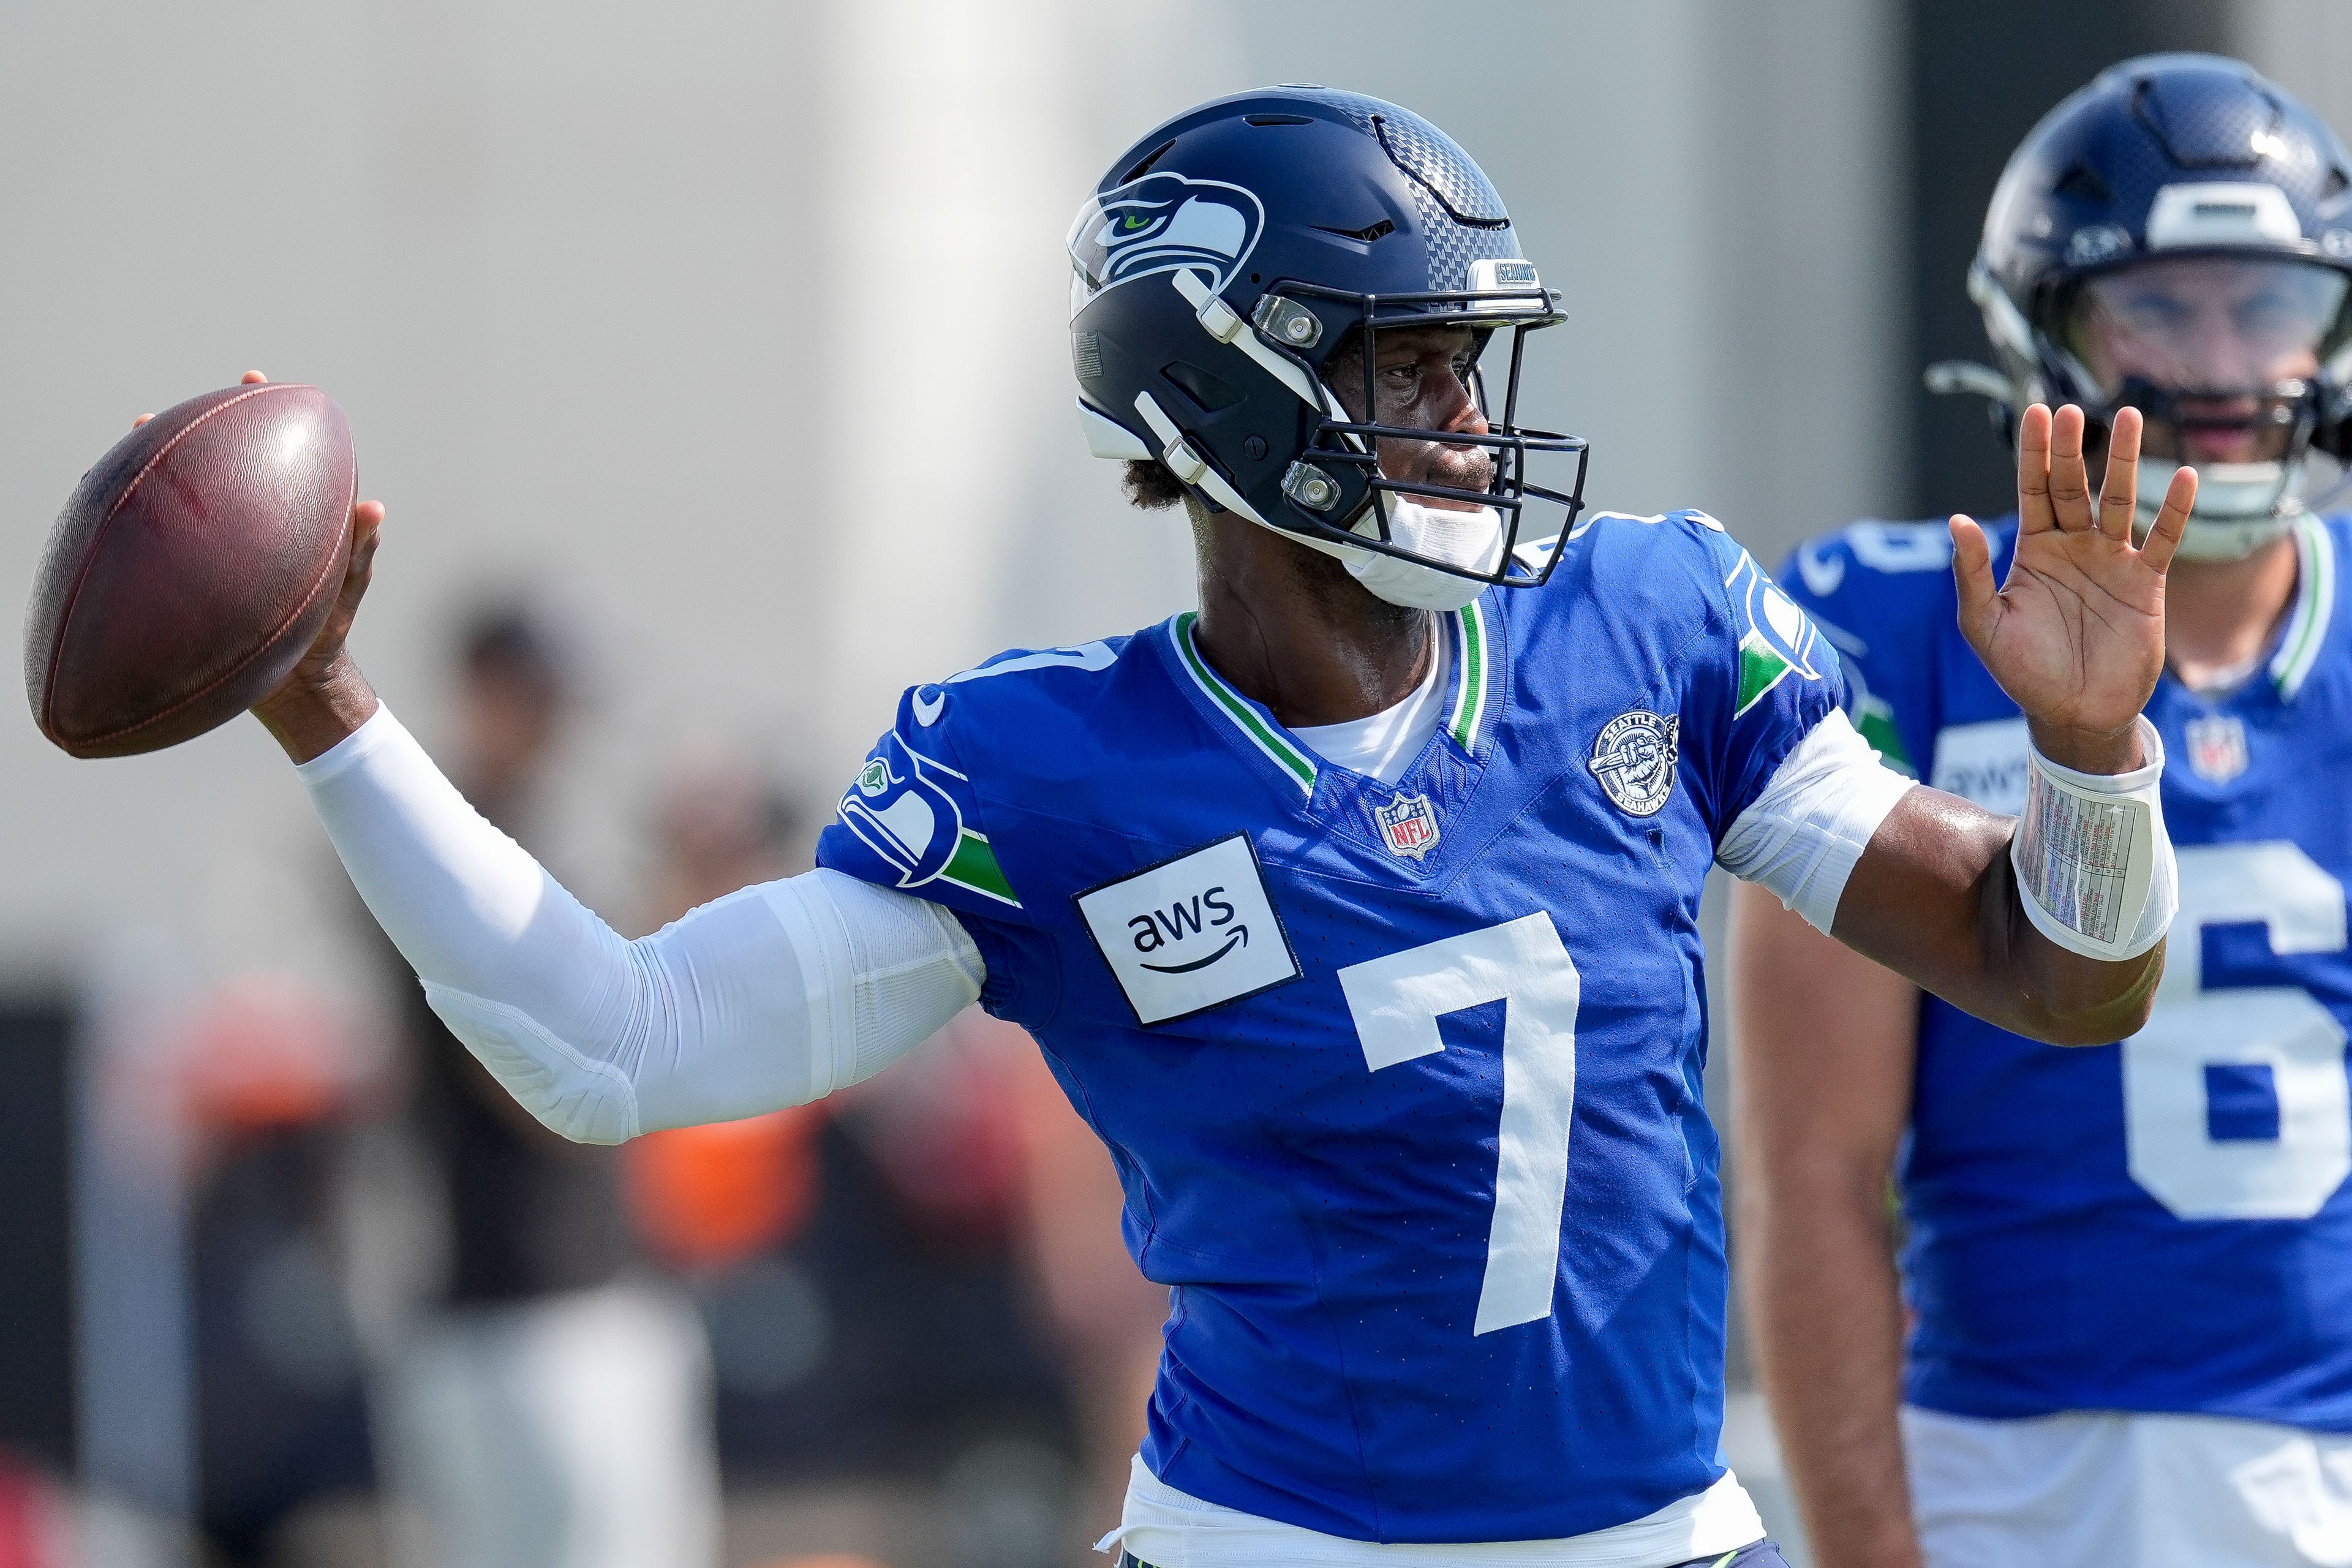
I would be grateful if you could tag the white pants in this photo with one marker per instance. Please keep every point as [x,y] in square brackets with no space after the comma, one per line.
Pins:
[2109,1490]
[573,1432]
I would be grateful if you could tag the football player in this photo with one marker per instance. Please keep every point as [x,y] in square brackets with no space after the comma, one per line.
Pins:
[1357,911]
[2130,1270]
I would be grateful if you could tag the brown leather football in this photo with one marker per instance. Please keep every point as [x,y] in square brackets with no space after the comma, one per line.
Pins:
[190,569]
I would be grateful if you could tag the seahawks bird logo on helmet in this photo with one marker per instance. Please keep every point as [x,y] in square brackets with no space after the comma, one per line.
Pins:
[1158,223]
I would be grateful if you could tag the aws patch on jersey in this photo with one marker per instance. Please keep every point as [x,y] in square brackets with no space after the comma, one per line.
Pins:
[1191,933]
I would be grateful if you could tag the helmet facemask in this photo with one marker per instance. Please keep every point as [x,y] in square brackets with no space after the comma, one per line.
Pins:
[1421,541]
[2229,359]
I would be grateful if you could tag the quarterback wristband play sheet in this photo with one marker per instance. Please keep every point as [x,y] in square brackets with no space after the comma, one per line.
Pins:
[2095,867]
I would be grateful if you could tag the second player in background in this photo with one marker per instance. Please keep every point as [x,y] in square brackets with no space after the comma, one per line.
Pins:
[2128,1268]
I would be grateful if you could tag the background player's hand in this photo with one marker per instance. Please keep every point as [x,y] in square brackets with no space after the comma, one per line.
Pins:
[2076,636]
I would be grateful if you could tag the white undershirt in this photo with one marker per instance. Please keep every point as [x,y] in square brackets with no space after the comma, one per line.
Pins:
[1385,744]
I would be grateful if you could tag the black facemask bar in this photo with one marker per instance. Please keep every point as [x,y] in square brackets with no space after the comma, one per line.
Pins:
[2291,404]
[1353,444]
[2299,406]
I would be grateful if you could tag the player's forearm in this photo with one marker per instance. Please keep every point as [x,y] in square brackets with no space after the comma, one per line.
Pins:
[2069,999]
[1935,899]
[1821,1286]
[762,999]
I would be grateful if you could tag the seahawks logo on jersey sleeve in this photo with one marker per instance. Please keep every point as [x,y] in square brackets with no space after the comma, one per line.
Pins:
[1158,223]
[904,808]
[1776,638]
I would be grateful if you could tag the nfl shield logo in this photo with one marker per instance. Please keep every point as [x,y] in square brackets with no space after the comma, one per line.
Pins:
[2216,747]
[1407,825]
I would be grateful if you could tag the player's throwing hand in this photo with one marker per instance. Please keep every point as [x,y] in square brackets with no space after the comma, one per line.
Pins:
[2076,636]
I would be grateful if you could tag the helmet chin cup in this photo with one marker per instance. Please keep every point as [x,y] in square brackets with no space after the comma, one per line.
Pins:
[1451,557]
[2209,540]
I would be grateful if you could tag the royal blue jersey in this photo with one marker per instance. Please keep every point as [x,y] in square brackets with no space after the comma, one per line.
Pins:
[1401,1081]
[2158,1225]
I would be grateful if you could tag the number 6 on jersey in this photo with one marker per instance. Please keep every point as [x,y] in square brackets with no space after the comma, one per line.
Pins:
[1396,1002]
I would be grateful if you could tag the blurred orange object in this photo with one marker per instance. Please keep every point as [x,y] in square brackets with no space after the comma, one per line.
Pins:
[262,1052]
[706,1197]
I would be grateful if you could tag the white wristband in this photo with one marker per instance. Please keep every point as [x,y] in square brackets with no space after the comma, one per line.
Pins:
[2095,865]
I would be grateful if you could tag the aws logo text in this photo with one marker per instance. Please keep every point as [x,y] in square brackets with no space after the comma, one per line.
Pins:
[1155,929]
[1190,933]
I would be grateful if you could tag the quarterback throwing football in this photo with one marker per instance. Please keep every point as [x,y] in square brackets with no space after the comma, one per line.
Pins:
[2130,1269]
[1357,911]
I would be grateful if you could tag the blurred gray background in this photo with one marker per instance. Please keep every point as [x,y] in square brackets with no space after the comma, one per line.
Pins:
[732,334]
[737,329]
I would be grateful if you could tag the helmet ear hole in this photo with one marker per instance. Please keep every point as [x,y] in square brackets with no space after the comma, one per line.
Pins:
[1208,392]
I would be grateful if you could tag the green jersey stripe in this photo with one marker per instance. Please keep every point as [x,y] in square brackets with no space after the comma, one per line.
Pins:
[974,869]
[2315,606]
[1263,736]
[1762,668]
[1470,698]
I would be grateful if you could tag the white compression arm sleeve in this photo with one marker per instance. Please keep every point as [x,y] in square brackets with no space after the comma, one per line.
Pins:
[772,996]
[1802,836]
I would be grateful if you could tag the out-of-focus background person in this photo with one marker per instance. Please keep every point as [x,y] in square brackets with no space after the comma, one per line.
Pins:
[2124,1333]
[885,1383]
[547,1404]
[550,260]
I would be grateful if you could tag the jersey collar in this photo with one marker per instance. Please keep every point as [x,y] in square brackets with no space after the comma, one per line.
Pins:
[1466,709]
[1255,724]
[2308,622]
[1466,719]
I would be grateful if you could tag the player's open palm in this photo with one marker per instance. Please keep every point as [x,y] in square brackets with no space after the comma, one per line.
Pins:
[2076,636]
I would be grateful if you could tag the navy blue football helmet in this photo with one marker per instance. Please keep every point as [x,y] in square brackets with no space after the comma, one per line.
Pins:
[1225,259]
[2161,160]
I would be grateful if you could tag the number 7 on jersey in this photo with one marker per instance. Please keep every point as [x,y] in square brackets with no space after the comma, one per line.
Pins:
[1396,1002]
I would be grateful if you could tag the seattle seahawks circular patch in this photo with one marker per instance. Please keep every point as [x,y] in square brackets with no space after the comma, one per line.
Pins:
[1633,757]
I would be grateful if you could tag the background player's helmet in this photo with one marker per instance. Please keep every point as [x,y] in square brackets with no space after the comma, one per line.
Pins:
[2176,238]
[1229,255]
